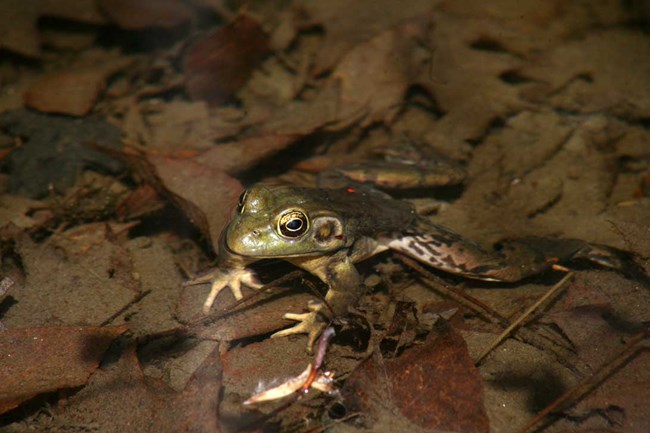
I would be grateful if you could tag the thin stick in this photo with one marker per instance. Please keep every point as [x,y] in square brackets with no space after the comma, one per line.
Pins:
[552,291]
[131,303]
[590,382]
[476,306]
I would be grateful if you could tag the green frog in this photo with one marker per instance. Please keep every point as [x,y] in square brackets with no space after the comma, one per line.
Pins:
[326,231]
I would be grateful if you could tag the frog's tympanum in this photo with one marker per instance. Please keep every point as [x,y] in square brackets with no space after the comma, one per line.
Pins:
[327,231]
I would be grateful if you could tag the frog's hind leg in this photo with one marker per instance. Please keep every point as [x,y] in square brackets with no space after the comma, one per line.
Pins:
[528,256]
[514,260]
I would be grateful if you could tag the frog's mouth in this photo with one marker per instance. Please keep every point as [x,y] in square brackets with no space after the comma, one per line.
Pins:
[259,254]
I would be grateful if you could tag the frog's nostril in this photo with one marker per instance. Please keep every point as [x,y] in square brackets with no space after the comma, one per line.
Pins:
[255,233]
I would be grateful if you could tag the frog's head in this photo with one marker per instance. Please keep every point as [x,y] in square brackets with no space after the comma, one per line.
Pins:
[284,222]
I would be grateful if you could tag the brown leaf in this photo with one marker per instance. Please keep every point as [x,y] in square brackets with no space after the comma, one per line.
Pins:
[527,28]
[348,24]
[240,156]
[69,285]
[39,360]
[144,200]
[434,386]
[198,405]
[175,124]
[374,75]
[53,153]
[18,32]
[141,14]
[206,196]
[119,398]
[72,91]
[16,210]
[585,75]
[219,64]
[465,82]
[303,117]
[594,338]
[623,396]
[84,11]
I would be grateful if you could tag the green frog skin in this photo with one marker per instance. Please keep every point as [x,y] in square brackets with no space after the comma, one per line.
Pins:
[327,231]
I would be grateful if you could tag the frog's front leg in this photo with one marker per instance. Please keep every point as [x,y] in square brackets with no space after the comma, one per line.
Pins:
[345,288]
[228,273]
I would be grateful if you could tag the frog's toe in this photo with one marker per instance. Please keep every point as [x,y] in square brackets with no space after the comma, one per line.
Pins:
[249,279]
[234,280]
[218,284]
[309,323]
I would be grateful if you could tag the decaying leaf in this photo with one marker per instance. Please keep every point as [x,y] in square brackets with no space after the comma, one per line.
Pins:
[144,200]
[197,406]
[374,75]
[585,75]
[465,82]
[219,64]
[141,14]
[40,360]
[206,196]
[74,91]
[120,398]
[239,156]
[622,399]
[85,11]
[303,117]
[524,28]
[584,326]
[434,386]
[53,153]
[18,31]
[177,124]
[15,210]
[347,24]
[71,285]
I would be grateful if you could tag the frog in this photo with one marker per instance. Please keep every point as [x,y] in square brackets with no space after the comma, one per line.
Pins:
[327,231]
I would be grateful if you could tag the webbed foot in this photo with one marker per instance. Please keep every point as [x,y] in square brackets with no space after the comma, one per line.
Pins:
[233,278]
[312,324]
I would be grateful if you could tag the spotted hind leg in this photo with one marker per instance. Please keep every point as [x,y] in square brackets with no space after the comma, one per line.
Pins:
[512,261]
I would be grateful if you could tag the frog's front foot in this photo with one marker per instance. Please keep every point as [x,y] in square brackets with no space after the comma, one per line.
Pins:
[232,278]
[312,324]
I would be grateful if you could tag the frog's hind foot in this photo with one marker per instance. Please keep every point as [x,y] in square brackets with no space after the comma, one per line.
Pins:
[612,258]
[543,252]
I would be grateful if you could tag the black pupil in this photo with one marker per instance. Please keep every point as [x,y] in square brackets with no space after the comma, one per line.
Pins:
[294,224]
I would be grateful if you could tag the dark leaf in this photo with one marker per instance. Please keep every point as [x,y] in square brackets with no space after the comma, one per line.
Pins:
[219,64]
[140,14]
[40,360]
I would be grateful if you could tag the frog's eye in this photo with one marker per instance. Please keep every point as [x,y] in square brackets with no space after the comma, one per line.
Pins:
[242,199]
[293,223]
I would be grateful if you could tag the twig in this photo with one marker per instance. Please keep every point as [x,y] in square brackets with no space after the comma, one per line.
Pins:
[552,291]
[476,306]
[589,383]
[126,307]
[562,353]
